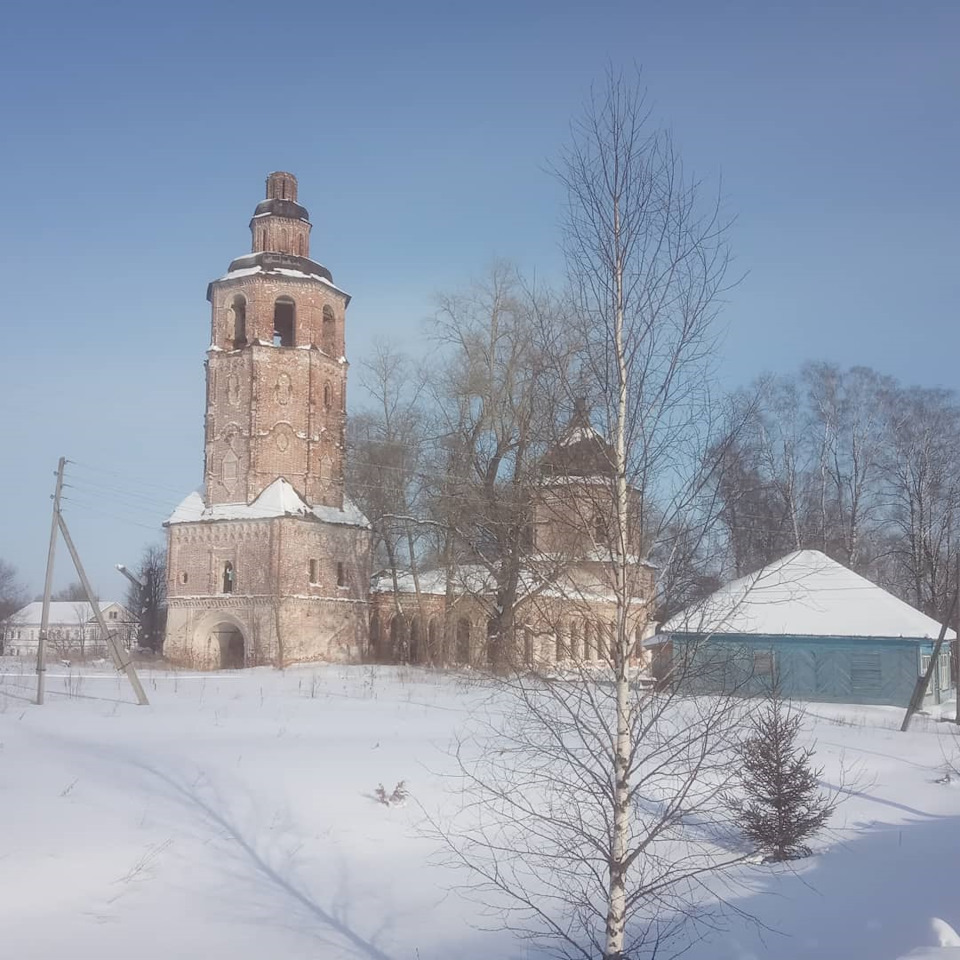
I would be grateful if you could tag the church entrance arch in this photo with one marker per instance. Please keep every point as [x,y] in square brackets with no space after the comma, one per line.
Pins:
[223,640]
[228,640]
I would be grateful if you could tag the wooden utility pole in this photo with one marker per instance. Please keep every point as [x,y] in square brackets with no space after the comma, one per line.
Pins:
[920,690]
[117,653]
[47,584]
[955,666]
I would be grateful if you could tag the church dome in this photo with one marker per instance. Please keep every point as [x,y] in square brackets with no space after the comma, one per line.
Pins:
[581,450]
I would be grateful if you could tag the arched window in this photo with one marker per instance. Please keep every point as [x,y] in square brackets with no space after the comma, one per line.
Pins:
[528,539]
[493,642]
[463,640]
[283,322]
[328,341]
[528,656]
[599,529]
[228,577]
[605,634]
[415,652]
[399,651]
[238,317]
[326,396]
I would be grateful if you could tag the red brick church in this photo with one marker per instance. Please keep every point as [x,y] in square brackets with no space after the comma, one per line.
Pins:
[270,564]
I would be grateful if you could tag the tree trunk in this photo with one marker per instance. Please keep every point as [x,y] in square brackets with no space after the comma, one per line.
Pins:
[617,906]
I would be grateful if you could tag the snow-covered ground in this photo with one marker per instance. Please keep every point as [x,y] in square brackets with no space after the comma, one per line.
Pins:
[234,818]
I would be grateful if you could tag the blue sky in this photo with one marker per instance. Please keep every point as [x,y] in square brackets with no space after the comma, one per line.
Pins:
[137,138]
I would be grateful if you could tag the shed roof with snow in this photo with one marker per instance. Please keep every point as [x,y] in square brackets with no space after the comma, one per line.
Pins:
[805,594]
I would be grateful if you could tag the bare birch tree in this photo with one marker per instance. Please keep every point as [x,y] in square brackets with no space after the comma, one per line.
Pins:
[594,801]
[847,414]
[923,484]
[13,594]
[496,402]
[386,450]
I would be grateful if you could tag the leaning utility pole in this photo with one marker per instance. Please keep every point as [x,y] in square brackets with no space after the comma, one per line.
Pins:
[955,666]
[121,661]
[920,690]
[47,584]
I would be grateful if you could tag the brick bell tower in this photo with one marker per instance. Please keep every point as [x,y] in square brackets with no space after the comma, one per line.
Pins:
[270,563]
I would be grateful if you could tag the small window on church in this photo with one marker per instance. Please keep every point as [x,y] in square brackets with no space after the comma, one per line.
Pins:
[314,571]
[326,396]
[183,577]
[238,311]
[341,575]
[599,529]
[329,341]
[229,577]
[283,323]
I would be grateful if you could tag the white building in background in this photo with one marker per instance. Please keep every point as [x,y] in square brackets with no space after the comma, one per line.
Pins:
[72,628]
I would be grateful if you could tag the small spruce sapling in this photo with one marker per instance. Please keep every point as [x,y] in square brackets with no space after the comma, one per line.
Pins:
[780,804]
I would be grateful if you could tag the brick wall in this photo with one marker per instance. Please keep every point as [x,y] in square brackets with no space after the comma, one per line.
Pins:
[273,602]
[276,411]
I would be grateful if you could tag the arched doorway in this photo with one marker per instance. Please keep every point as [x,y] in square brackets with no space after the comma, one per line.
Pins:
[228,639]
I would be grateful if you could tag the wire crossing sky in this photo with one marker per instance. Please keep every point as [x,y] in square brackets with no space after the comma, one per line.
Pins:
[137,138]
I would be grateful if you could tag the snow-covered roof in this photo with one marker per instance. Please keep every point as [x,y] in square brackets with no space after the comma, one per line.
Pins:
[468,577]
[277,500]
[805,594]
[64,612]
[474,578]
[577,434]
[279,271]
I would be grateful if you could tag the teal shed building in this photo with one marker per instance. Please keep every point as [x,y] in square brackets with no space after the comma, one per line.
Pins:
[820,630]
